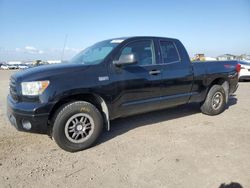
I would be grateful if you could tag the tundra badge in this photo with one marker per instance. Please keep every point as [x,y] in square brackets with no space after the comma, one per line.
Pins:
[103,78]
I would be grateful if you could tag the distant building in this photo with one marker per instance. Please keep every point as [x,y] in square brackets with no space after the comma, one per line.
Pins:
[53,61]
[210,59]
[226,57]
[202,57]
[29,62]
[14,62]
[199,57]
[243,57]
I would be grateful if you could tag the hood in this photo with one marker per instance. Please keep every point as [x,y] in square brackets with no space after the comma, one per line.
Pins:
[44,72]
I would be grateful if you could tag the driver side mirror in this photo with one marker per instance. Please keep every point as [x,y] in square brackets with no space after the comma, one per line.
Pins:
[127,59]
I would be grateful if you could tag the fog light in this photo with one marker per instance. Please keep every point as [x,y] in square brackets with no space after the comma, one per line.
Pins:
[26,124]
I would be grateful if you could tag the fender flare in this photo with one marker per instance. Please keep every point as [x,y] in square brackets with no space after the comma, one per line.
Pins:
[105,111]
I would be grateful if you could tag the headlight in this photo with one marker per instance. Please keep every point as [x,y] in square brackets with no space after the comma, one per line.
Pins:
[34,88]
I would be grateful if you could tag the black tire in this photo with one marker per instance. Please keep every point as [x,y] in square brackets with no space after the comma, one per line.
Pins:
[208,106]
[63,124]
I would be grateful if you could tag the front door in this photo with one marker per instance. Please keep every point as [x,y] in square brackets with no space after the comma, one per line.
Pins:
[138,86]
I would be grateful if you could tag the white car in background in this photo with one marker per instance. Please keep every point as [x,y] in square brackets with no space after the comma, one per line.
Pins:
[244,71]
[4,67]
[13,66]
[22,66]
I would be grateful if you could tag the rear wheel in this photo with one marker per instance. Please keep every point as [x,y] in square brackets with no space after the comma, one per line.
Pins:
[215,101]
[77,126]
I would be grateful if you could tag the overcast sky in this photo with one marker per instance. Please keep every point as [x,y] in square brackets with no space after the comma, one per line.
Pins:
[36,29]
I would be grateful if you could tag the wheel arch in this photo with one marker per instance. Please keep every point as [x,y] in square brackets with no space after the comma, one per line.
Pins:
[94,99]
[223,82]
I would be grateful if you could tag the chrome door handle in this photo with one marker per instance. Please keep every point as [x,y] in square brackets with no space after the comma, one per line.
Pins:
[154,72]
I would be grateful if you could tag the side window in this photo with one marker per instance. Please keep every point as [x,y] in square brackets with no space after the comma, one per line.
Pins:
[143,51]
[169,52]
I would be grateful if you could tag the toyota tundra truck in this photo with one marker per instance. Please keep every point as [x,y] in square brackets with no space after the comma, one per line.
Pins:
[73,102]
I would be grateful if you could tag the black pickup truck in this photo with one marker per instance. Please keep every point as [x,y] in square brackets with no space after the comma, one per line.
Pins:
[74,101]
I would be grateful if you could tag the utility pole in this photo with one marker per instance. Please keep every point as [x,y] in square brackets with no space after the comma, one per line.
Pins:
[64,45]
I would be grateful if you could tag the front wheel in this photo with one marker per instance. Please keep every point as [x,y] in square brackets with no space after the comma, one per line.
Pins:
[77,126]
[215,101]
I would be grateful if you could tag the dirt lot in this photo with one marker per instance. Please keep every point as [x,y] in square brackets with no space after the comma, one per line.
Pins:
[177,147]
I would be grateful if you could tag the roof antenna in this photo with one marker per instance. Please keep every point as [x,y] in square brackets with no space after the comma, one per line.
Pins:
[64,45]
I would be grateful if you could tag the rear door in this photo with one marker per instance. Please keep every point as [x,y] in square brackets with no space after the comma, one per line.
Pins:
[138,86]
[177,74]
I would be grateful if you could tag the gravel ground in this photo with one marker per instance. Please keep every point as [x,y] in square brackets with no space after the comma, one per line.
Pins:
[178,147]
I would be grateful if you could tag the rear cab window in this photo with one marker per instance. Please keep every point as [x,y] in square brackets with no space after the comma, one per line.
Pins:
[169,52]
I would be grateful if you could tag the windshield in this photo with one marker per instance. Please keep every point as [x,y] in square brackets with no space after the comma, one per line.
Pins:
[96,53]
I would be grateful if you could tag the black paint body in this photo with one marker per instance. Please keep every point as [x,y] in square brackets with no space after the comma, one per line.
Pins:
[129,89]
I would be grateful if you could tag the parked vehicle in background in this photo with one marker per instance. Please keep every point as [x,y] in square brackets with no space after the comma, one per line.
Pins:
[4,67]
[72,102]
[22,66]
[244,71]
[12,66]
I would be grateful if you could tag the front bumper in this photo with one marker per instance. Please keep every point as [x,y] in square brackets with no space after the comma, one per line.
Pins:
[20,114]
[244,77]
